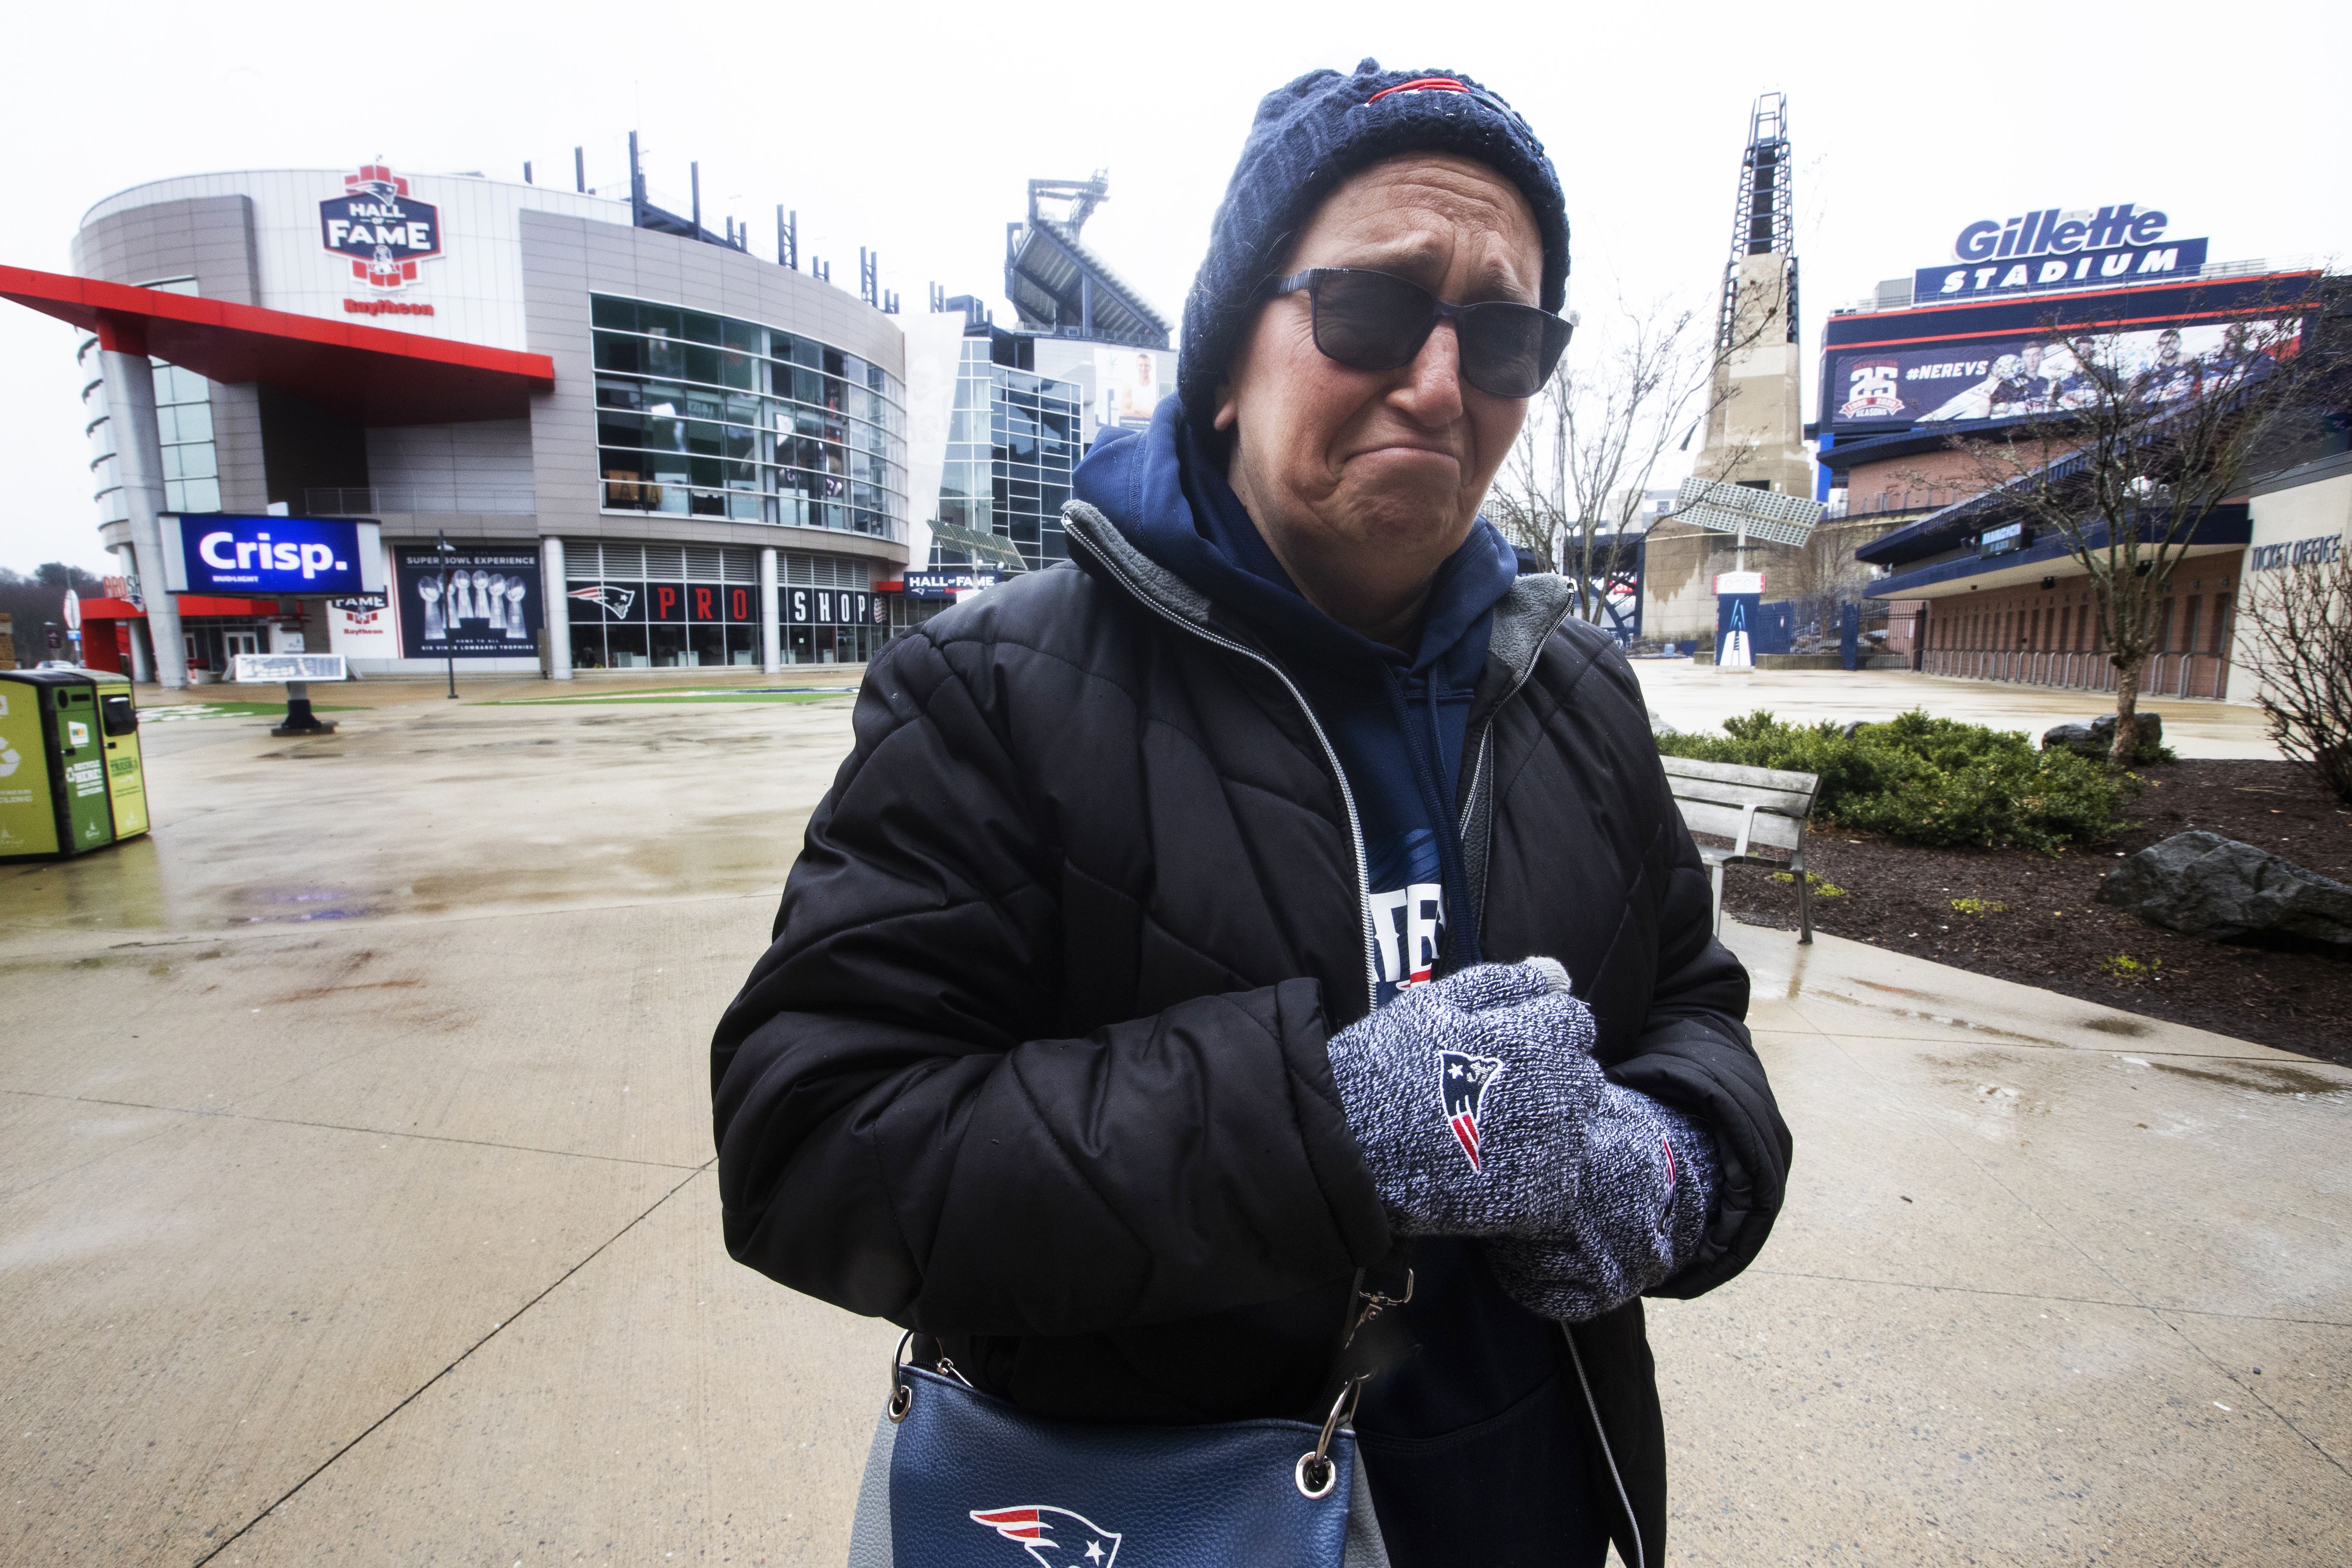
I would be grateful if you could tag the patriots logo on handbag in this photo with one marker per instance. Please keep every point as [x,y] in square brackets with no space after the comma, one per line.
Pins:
[1032,1529]
[1462,1082]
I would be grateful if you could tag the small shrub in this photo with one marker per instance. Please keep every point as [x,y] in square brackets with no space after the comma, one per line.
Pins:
[1980,906]
[2124,966]
[1822,887]
[1928,781]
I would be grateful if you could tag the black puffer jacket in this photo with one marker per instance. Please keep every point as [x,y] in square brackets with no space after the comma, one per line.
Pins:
[1035,1065]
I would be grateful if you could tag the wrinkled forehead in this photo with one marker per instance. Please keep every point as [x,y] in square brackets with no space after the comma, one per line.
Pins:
[1431,217]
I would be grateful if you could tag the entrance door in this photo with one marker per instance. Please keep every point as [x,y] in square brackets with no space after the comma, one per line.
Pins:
[235,643]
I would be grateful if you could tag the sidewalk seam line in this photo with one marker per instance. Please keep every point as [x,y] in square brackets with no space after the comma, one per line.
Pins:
[331,1127]
[463,1356]
[2284,1419]
[2048,1296]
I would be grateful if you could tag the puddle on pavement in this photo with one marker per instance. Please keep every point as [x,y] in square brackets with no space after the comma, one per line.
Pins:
[2261,1078]
[121,885]
[441,815]
[1903,991]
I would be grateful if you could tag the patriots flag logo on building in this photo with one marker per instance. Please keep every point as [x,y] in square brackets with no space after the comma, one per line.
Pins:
[1039,1530]
[1462,1081]
[615,601]
[383,229]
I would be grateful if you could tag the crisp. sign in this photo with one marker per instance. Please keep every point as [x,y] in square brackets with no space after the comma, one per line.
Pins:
[229,554]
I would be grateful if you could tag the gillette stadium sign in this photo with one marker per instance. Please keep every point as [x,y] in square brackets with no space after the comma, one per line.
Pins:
[2076,247]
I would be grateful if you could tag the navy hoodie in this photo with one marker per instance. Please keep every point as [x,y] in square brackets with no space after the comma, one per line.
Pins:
[1476,1445]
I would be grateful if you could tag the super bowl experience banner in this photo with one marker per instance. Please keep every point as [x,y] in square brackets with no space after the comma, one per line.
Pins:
[475,602]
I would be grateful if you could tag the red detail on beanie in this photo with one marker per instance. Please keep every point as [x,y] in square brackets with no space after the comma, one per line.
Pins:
[1421,84]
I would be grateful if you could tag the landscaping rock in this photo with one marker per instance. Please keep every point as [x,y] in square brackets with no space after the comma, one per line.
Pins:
[2202,884]
[2097,738]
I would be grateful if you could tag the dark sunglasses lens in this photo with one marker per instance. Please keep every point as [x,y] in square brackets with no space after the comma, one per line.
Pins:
[1508,350]
[1371,321]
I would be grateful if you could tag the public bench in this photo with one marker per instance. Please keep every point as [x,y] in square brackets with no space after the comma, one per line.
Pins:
[1755,808]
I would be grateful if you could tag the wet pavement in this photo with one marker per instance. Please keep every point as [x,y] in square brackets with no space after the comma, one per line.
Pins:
[1699,697]
[355,1200]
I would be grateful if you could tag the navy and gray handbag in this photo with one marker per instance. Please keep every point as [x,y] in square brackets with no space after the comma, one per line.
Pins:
[959,1478]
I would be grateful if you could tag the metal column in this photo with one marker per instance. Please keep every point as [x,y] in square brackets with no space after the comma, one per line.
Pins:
[771,623]
[557,618]
[139,460]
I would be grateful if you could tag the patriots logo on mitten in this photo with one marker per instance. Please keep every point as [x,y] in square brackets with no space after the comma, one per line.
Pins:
[1462,1083]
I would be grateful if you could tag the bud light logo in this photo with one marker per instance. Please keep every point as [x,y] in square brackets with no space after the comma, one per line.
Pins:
[382,228]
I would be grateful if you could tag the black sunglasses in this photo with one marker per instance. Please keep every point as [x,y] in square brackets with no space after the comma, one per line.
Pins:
[1370,320]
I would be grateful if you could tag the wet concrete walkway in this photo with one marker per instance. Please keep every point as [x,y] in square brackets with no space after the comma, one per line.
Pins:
[1699,697]
[355,1202]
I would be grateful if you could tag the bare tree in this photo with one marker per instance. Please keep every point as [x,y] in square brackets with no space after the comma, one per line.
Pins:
[1823,573]
[2129,455]
[1571,491]
[2301,618]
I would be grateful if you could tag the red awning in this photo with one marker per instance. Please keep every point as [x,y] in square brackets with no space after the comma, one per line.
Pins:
[190,604]
[371,376]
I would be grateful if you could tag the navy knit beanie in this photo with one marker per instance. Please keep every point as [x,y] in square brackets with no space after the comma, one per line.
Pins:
[1307,138]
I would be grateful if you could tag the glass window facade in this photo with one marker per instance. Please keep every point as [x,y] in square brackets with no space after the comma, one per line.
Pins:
[1011,442]
[665,606]
[708,417]
[184,419]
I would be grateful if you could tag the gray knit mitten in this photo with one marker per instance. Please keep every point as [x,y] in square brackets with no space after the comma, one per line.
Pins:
[1649,1182]
[1469,1098]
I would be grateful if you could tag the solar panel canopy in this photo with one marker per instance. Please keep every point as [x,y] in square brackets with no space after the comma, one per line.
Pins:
[1727,508]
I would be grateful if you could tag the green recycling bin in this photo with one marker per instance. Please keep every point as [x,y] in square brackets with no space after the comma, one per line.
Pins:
[72,778]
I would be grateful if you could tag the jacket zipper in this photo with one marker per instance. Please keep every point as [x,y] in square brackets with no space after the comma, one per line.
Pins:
[1633,1524]
[1347,795]
[1477,780]
[1486,733]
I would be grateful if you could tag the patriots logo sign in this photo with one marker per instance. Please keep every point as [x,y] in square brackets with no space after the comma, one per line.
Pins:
[615,601]
[1462,1082]
[1039,1530]
[383,229]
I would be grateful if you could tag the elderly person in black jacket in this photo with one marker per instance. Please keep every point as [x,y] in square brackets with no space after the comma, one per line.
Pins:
[1279,900]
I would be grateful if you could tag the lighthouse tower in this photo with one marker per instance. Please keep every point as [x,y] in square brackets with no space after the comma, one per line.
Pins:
[1755,423]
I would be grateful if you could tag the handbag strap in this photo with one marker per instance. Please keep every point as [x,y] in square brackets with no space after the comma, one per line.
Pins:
[1315,1475]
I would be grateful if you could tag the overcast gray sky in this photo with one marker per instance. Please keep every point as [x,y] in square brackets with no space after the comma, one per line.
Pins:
[912,129]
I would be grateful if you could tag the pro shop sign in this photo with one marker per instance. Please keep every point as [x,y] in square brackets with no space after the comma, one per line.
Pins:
[383,231]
